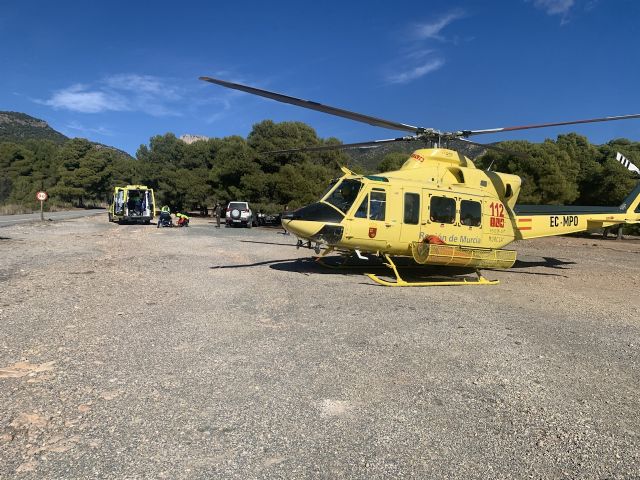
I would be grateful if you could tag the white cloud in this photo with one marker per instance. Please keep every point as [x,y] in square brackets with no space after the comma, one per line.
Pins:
[433,29]
[120,93]
[418,54]
[131,81]
[79,98]
[89,130]
[416,72]
[143,85]
[220,102]
[422,59]
[554,7]
[591,4]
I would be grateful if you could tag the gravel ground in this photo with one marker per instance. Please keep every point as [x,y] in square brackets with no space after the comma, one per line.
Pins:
[136,352]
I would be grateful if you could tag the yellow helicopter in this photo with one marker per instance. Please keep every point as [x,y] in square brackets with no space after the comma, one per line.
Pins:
[438,208]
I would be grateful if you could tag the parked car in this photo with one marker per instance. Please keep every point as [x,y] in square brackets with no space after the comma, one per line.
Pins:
[268,219]
[239,213]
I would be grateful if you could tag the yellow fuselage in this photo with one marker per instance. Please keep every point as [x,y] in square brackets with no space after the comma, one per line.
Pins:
[436,193]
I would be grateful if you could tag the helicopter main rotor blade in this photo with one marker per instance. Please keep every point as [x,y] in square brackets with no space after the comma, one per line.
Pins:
[467,133]
[343,146]
[358,117]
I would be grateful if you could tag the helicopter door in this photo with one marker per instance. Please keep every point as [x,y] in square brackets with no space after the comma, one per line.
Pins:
[369,223]
[411,217]
[439,216]
[470,222]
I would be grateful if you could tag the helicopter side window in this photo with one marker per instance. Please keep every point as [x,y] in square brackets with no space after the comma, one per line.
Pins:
[362,209]
[411,208]
[344,194]
[377,205]
[470,213]
[443,210]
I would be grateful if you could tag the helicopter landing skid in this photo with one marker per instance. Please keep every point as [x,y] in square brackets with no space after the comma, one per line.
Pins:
[445,283]
[320,261]
[342,264]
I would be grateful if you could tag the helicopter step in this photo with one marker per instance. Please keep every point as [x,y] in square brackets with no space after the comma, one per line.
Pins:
[400,282]
[454,255]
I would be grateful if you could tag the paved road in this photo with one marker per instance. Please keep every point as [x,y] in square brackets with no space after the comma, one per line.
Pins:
[6,220]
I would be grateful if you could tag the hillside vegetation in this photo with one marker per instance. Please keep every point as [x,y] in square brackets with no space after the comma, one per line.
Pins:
[18,127]
[568,170]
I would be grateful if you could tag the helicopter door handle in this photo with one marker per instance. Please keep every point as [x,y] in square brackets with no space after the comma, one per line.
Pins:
[390,224]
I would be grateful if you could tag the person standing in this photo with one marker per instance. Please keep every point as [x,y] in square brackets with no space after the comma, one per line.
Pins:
[286,210]
[217,211]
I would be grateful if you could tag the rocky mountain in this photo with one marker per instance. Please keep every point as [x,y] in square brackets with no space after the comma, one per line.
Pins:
[18,127]
[188,138]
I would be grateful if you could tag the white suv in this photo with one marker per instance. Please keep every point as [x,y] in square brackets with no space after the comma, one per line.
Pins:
[239,213]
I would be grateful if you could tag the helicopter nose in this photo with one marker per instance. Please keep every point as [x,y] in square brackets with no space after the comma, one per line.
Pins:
[315,231]
[310,222]
[302,228]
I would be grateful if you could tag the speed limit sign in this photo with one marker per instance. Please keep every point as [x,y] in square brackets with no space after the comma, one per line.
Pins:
[42,196]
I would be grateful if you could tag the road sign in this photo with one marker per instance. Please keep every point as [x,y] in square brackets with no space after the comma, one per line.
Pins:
[42,196]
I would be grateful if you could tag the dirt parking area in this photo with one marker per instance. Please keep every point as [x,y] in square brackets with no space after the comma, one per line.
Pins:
[136,352]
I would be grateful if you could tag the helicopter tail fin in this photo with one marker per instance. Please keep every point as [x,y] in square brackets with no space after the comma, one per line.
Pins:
[631,204]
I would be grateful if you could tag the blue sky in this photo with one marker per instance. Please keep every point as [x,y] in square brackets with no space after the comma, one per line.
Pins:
[119,72]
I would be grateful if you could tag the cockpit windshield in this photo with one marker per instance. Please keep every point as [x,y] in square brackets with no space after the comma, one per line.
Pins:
[328,189]
[344,194]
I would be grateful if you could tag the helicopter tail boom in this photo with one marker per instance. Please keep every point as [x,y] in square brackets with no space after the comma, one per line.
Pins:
[534,221]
